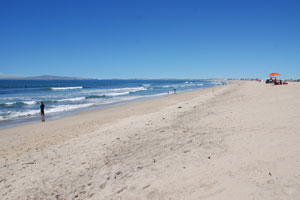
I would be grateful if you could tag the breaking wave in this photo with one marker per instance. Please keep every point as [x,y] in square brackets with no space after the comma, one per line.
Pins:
[61,108]
[66,88]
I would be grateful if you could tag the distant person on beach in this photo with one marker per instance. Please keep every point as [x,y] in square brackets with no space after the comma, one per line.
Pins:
[42,111]
[174,90]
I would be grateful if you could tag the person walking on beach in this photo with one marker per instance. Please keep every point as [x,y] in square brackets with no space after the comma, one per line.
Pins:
[42,111]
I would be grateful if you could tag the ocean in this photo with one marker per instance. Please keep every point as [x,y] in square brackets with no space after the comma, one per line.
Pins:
[20,99]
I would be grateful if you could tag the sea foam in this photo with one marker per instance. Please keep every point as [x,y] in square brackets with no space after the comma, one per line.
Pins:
[71,99]
[67,88]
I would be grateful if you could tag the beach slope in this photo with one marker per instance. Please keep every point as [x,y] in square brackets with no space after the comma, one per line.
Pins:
[239,141]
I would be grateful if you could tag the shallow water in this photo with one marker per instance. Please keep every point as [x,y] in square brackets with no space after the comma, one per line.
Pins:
[20,99]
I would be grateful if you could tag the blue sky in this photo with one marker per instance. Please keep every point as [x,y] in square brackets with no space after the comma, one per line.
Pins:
[150,38]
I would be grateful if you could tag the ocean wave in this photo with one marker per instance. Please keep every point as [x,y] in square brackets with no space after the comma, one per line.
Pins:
[18,103]
[62,108]
[186,84]
[18,114]
[129,98]
[171,86]
[116,94]
[8,104]
[134,89]
[94,96]
[218,82]
[71,99]
[29,102]
[106,95]
[66,88]
[104,91]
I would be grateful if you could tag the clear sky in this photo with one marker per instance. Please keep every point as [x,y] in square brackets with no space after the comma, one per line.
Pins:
[150,38]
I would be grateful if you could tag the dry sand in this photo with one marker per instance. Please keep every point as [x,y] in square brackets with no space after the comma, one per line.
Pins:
[241,141]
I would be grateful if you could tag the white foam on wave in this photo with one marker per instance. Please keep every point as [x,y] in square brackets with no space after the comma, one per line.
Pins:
[10,103]
[128,98]
[17,114]
[66,88]
[186,84]
[217,82]
[103,91]
[72,99]
[134,89]
[116,94]
[29,102]
[22,102]
[174,86]
[62,108]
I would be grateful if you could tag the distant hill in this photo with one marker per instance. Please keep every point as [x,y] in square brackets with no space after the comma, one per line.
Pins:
[44,77]
[6,76]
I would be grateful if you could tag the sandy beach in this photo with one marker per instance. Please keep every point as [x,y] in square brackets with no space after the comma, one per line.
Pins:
[238,141]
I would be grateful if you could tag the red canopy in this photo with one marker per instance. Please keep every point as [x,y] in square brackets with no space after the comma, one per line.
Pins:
[274,74]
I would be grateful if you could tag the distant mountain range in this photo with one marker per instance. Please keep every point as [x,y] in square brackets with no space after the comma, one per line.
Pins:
[44,77]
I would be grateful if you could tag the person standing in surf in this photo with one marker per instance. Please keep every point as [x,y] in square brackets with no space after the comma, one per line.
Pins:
[42,111]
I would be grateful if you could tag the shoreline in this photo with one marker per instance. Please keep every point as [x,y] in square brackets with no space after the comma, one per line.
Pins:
[223,143]
[58,116]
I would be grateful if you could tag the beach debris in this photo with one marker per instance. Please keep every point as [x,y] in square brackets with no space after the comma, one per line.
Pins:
[122,189]
[29,163]
[117,138]
[270,174]
[154,160]
[179,107]
[146,186]
[163,118]
[140,167]
[190,141]
[118,173]
[208,157]
[184,167]
[102,186]
[186,151]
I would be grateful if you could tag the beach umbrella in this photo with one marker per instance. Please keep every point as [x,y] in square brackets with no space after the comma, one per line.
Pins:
[274,74]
